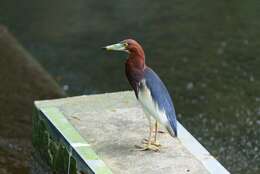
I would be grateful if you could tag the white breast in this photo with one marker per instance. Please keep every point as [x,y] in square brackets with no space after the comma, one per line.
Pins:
[147,102]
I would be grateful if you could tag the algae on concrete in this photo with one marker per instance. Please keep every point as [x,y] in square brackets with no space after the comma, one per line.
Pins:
[49,147]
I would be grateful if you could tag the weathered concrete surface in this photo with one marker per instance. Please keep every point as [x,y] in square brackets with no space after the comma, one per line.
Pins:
[22,80]
[113,123]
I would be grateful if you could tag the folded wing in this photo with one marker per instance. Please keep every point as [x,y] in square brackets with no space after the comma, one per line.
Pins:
[161,98]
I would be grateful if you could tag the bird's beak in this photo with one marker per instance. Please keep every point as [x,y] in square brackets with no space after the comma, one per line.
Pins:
[116,47]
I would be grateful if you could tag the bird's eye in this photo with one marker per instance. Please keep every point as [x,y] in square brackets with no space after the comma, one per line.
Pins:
[125,44]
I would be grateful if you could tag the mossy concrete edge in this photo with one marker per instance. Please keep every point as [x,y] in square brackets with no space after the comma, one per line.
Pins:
[61,146]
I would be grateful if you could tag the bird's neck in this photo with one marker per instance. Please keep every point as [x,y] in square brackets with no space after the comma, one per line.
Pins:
[134,69]
[137,58]
[136,62]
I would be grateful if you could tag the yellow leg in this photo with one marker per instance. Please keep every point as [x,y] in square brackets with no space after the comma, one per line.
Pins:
[148,144]
[158,130]
[155,134]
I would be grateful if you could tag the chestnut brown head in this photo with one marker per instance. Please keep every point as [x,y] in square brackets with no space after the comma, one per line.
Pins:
[129,45]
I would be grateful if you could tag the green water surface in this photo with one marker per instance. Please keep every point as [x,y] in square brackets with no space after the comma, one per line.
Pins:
[206,52]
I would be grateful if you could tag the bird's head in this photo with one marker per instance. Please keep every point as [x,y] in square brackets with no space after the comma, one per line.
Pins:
[129,45]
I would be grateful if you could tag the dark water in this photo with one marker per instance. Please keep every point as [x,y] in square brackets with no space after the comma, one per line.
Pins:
[207,53]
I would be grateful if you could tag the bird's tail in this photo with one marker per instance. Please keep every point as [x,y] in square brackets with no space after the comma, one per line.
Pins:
[172,130]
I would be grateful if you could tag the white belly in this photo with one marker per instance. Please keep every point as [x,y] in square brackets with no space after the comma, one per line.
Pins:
[146,100]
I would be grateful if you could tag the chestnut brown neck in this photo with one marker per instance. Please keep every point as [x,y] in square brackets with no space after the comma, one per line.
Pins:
[136,58]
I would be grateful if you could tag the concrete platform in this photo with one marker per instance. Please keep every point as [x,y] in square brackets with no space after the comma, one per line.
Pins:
[109,125]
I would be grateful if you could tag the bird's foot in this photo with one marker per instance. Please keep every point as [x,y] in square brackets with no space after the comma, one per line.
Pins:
[155,143]
[147,147]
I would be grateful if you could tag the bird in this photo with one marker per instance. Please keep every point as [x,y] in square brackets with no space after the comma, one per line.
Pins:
[149,90]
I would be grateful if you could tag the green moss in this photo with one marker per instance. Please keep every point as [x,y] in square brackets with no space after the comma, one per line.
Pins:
[52,151]
[73,166]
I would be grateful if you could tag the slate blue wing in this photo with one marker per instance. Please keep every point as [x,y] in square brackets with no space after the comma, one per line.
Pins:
[161,97]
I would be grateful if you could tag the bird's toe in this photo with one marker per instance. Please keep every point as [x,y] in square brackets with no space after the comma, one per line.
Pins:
[148,147]
[157,144]
[145,142]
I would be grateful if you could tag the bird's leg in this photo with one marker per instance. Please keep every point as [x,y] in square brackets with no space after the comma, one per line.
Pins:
[155,135]
[147,144]
[157,127]
[150,135]
[156,131]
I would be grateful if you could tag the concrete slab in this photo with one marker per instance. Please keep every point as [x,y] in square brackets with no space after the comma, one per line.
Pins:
[113,123]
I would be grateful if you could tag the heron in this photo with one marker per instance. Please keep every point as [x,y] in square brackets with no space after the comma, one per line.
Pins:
[149,90]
